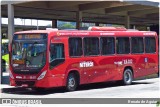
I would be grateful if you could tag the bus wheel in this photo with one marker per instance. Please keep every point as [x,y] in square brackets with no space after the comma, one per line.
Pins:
[127,77]
[72,82]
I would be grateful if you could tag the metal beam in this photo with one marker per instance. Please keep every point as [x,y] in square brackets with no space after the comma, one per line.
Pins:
[41,10]
[153,16]
[126,8]
[127,24]
[53,4]
[54,23]
[143,12]
[62,4]
[104,4]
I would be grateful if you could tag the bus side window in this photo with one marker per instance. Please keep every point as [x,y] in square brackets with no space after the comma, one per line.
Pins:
[75,47]
[91,46]
[123,45]
[150,45]
[107,45]
[56,54]
[137,44]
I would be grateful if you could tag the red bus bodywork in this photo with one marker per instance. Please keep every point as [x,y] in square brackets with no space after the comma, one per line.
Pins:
[105,68]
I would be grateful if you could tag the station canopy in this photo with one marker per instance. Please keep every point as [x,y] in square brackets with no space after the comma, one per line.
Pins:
[111,12]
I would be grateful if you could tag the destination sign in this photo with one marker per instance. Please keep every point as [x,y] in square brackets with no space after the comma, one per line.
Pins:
[18,61]
[29,36]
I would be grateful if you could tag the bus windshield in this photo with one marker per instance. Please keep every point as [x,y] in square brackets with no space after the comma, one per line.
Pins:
[28,54]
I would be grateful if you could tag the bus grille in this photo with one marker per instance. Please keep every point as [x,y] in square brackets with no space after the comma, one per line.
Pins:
[29,83]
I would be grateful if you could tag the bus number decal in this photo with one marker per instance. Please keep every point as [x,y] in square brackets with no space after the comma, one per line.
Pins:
[126,61]
[86,64]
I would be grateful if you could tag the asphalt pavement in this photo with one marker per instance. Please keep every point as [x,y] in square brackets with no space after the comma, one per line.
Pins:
[144,88]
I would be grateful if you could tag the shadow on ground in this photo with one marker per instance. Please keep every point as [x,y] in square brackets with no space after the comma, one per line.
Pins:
[29,91]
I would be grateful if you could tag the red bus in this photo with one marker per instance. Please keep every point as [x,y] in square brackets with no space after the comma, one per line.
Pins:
[55,58]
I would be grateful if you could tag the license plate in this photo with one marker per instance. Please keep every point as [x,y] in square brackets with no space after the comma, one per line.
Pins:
[24,85]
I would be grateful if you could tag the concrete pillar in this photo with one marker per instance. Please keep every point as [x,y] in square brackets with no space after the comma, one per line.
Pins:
[97,24]
[134,26]
[10,22]
[159,56]
[127,24]
[0,52]
[54,23]
[37,25]
[78,19]
[148,28]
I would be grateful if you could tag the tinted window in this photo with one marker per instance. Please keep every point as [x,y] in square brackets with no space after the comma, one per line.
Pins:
[29,54]
[75,46]
[150,45]
[56,54]
[107,45]
[123,45]
[91,46]
[137,45]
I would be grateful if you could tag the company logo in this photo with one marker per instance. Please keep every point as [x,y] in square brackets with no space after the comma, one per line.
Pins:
[6,101]
[21,101]
[86,64]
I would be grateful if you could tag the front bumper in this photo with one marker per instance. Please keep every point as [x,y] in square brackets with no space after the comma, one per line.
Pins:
[47,82]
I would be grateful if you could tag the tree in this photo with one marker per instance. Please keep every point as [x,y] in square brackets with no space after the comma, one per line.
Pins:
[66,26]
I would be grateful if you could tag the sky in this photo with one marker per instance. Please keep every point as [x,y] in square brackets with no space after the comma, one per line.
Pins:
[19,21]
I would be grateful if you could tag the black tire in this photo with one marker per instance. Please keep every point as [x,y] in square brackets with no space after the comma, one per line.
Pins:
[127,76]
[72,82]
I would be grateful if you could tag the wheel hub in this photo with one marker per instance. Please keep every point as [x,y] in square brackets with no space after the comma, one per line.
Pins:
[128,77]
[71,82]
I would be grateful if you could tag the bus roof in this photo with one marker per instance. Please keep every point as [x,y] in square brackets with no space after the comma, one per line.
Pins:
[32,31]
[93,32]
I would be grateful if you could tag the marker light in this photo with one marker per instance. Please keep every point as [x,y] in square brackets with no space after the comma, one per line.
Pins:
[42,75]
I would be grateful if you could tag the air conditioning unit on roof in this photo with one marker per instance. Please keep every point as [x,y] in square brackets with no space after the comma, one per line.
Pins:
[97,28]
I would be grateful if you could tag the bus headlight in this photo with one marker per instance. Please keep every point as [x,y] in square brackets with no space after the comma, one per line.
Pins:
[11,75]
[42,75]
